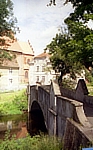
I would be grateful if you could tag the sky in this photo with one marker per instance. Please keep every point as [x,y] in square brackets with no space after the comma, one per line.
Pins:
[39,23]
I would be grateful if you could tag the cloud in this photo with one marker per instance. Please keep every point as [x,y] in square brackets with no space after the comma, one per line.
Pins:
[38,39]
[39,23]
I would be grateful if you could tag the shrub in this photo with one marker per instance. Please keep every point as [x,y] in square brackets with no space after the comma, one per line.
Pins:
[39,142]
[20,101]
[16,105]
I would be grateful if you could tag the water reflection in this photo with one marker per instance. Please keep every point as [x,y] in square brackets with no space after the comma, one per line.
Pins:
[14,123]
[20,125]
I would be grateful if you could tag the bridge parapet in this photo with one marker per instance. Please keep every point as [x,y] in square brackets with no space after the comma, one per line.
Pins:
[44,102]
[80,93]
[32,92]
[63,108]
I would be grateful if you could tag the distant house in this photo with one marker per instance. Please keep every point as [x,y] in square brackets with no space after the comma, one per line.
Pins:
[9,79]
[16,72]
[41,70]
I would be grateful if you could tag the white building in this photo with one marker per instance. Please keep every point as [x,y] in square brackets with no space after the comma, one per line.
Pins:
[41,70]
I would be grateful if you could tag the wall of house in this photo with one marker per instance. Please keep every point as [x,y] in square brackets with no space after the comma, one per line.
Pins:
[20,61]
[9,81]
[23,62]
[26,67]
[23,53]
[38,75]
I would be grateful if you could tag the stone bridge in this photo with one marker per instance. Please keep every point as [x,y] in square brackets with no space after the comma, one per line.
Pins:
[67,114]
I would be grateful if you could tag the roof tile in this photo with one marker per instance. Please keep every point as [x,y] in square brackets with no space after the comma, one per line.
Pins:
[23,47]
[42,55]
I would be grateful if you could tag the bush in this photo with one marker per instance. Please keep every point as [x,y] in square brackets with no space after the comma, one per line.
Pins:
[16,105]
[89,77]
[20,101]
[39,142]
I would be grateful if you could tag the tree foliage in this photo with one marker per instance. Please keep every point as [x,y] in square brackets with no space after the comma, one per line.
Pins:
[8,27]
[64,55]
[80,7]
[73,47]
[7,20]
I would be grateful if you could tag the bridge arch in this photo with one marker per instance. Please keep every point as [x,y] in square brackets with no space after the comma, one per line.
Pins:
[35,106]
[37,112]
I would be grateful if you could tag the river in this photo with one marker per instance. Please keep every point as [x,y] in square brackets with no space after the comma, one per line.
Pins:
[20,125]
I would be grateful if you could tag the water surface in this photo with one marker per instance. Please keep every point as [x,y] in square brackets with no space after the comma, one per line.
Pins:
[21,125]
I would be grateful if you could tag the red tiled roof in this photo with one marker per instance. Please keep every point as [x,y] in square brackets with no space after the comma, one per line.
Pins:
[15,47]
[42,55]
[23,47]
[7,63]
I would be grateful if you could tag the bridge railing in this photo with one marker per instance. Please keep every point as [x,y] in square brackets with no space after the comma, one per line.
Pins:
[44,102]
[32,94]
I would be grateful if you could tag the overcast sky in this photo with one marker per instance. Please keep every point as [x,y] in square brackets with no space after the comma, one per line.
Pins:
[39,23]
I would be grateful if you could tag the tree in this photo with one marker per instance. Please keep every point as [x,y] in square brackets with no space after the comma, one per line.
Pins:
[63,55]
[80,32]
[72,51]
[8,27]
[80,6]
[75,46]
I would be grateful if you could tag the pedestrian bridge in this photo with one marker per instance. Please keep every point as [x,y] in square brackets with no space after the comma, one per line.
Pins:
[67,114]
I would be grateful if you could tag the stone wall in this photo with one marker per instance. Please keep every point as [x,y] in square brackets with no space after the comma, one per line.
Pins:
[64,115]
[80,93]
[68,93]
[44,100]
[71,122]
[32,94]
[75,136]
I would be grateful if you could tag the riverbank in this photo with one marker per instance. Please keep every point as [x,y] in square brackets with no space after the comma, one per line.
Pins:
[13,102]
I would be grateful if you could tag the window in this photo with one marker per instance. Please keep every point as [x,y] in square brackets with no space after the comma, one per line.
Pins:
[37,68]
[10,70]
[26,74]
[10,80]
[43,68]
[28,60]
[43,79]
[37,80]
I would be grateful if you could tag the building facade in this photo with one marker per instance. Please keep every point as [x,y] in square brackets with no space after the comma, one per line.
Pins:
[15,73]
[9,78]
[41,70]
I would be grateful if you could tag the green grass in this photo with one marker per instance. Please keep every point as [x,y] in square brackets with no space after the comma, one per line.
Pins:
[13,102]
[9,96]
